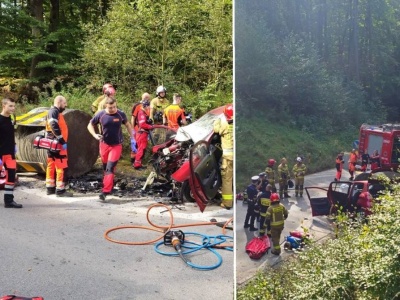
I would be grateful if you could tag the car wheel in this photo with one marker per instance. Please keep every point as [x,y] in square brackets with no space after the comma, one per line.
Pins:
[186,192]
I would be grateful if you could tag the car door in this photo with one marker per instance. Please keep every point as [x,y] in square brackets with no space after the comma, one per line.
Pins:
[205,176]
[319,202]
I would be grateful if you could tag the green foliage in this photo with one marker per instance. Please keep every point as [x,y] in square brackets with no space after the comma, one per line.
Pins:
[259,138]
[363,263]
[183,45]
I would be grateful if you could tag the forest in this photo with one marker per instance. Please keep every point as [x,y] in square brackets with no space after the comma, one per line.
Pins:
[315,70]
[136,45]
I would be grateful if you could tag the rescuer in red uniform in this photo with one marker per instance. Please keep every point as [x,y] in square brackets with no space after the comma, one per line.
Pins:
[144,127]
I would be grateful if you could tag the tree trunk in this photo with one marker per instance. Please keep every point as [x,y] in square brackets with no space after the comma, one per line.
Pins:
[36,10]
[354,64]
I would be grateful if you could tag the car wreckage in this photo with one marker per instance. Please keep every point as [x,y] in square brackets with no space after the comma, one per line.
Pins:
[189,159]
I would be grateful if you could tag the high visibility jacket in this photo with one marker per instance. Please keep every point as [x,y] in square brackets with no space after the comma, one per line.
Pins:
[95,104]
[277,214]
[264,202]
[299,170]
[173,113]
[353,158]
[225,130]
[56,125]
[283,172]
[270,174]
[158,104]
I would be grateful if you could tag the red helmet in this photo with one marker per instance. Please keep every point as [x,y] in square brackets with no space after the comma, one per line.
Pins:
[106,86]
[271,162]
[228,111]
[274,197]
[110,91]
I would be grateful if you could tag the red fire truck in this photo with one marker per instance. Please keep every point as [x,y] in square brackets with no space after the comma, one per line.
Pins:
[382,138]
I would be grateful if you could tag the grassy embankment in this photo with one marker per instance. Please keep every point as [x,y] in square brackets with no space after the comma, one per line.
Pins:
[258,139]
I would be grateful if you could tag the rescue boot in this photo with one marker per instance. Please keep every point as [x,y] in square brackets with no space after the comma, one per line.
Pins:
[275,252]
[269,233]
[287,195]
[50,191]
[253,229]
[10,203]
[64,193]
[103,196]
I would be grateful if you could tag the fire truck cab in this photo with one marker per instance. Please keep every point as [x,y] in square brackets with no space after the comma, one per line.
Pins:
[382,138]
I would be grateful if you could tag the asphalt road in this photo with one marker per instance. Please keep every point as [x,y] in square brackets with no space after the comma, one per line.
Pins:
[54,248]
[299,215]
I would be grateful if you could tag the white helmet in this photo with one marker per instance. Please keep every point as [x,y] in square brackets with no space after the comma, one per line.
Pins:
[161,89]
[299,159]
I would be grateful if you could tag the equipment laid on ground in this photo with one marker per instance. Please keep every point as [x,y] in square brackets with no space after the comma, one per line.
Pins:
[175,238]
[258,246]
[40,142]
[13,297]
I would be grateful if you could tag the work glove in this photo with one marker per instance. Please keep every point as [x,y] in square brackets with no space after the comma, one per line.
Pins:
[64,146]
[133,145]
[133,132]
[61,140]
[98,137]
[1,163]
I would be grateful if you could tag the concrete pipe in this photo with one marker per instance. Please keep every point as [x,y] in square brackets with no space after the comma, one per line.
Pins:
[83,149]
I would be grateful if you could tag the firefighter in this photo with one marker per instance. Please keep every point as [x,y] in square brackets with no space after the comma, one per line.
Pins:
[57,162]
[275,217]
[339,166]
[352,163]
[173,113]
[283,177]
[158,104]
[375,160]
[109,92]
[135,109]
[264,202]
[96,103]
[365,160]
[224,127]
[144,127]
[269,170]
[111,120]
[7,151]
[251,204]
[299,170]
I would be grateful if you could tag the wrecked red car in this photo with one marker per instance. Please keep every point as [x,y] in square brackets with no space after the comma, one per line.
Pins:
[189,159]
[349,196]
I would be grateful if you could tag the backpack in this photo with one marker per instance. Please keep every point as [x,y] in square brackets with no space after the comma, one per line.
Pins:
[133,110]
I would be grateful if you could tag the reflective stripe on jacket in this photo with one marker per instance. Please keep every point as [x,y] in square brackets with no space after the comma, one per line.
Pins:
[277,213]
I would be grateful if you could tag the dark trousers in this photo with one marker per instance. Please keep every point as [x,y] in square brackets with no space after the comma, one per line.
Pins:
[250,215]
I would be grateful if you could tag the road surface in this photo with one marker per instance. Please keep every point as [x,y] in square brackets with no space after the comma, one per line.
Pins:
[299,215]
[55,248]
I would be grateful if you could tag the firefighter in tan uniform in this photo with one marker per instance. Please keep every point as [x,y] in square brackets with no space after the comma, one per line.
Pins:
[299,170]
[269,170]
[283,176]
[158,104]
[276,216]
[96,102]
[57,162]
[224,127]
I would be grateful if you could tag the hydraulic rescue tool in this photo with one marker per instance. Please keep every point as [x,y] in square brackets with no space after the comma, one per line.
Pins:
[175,239]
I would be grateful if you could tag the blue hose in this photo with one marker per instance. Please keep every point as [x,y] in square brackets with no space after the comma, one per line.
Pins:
[208,241]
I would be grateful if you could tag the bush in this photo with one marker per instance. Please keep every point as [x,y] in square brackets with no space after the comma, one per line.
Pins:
[362,263]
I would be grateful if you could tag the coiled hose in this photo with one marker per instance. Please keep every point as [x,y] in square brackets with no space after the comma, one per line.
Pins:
[208,242]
